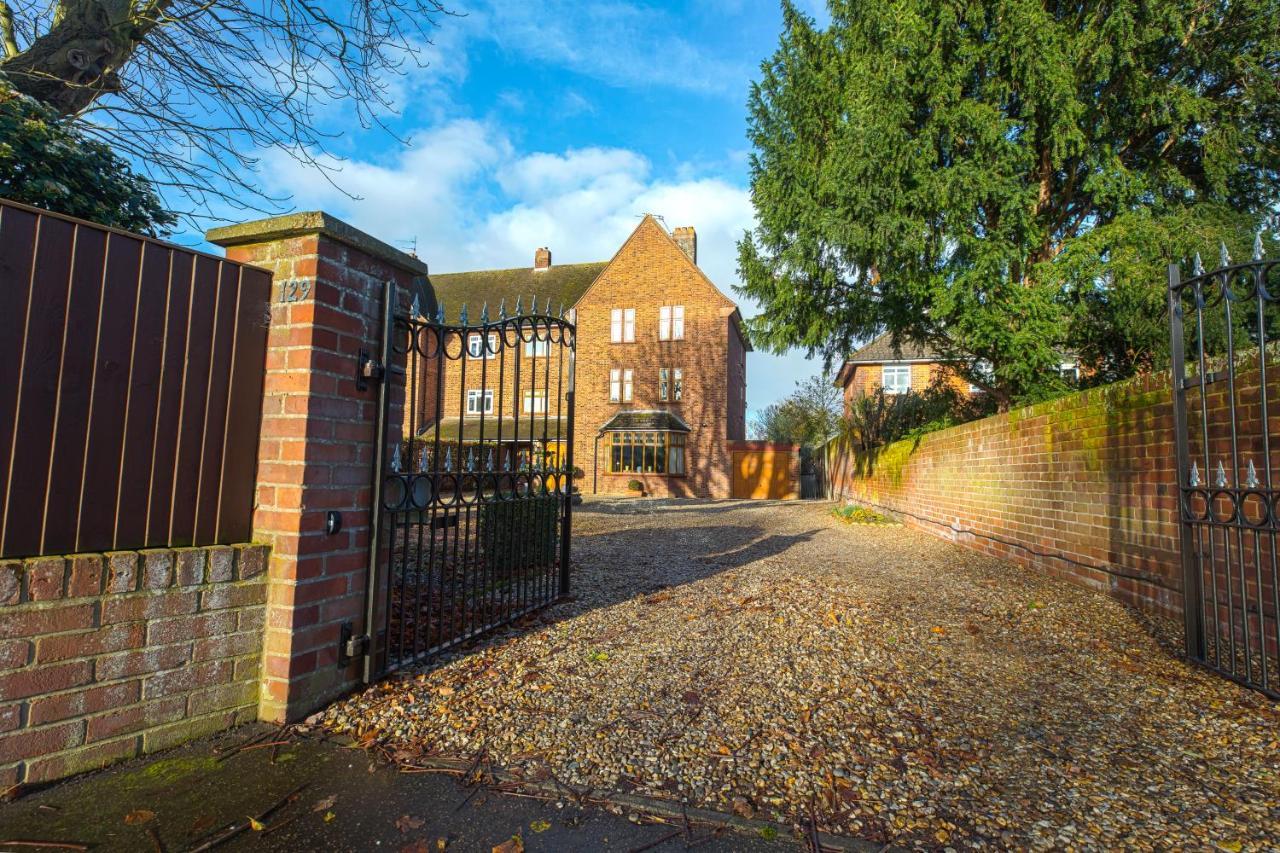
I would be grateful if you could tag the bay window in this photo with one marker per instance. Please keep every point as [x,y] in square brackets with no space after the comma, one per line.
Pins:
[647,453]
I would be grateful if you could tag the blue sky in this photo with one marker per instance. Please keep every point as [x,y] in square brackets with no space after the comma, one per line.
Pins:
[559,123]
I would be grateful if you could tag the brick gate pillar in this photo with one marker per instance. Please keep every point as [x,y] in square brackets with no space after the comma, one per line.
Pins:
[316,446]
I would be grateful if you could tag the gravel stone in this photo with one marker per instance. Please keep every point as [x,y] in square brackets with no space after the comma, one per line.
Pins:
[768,658]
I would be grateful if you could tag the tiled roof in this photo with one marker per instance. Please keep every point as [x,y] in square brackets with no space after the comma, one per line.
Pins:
[469,429]
[645,420]
[563,285]
[882,350]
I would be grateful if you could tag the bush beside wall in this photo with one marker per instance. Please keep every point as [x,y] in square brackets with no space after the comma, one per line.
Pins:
[1083,487]
[108,656]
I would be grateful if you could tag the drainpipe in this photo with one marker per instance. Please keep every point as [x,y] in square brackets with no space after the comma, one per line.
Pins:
[595,464]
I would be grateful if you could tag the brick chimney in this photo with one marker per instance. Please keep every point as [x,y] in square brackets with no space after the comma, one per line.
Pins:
[542,259]
[687,239]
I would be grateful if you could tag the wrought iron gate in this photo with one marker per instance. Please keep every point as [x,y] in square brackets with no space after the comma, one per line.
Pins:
[475,497]
[1224,377]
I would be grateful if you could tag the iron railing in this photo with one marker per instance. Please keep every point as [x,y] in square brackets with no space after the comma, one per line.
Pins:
[476,499]
[1222,323]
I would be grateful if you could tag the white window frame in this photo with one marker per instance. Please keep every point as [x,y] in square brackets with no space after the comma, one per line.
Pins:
[539,347]
[622,325]
[893,386]
[474,351]
[473,406]
[677,384]
[671,323]
[628,385]
[535,402]
[615,386]
[664,383]
[1070,371]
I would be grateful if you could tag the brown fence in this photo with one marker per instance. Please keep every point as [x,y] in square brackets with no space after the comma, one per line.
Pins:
[131,378]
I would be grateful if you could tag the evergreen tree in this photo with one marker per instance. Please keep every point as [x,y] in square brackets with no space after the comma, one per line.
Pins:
[965,174]
[44,162]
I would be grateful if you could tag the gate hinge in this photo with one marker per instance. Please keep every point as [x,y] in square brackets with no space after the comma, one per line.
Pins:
[351,646]
[368,369]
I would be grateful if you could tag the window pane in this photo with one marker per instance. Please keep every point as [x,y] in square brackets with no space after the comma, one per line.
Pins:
[678,390]
[662,383]
[615,325]
[629,325]
[677,322]
[676,460]
[664,322]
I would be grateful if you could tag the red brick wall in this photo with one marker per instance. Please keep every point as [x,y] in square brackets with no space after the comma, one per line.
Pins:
[650,271]
[1083,487]
[108,656]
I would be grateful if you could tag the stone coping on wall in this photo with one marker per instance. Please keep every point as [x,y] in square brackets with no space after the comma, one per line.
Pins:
[313,222]
[108,656]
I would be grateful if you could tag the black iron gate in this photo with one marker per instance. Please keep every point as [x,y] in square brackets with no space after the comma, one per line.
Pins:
[1224,377]
[474,520]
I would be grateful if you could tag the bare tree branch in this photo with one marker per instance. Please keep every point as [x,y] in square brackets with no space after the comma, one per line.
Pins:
[196,90]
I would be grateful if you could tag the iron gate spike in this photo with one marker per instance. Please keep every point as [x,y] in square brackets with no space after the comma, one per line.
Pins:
[415,310]
[1195,475]
[395,459]
[1197,266]
[1251,477]
[1220,478]
[471,461]
[422,461]
[448,459]
[484,314]
[462,315]
[440,312]
[488,463]
[502,309]
[1257,246]
[1223,255]
[518,308]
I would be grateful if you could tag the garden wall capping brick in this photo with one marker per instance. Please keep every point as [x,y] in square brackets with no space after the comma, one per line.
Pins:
[107,656]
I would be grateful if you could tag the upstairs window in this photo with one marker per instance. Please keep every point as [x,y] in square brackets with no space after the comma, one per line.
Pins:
[670,384]
[671,323]
[540,345]
[477,349]
[535,402]
[622,325]
[620,386]
[474,402]
[896,378]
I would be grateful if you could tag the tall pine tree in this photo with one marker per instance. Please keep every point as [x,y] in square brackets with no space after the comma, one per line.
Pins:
[1005,179]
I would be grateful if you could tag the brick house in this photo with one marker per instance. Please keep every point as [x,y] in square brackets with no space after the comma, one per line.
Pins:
[910,367]
[660,371]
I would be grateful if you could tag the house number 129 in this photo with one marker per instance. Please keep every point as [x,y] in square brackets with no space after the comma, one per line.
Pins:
[294,289]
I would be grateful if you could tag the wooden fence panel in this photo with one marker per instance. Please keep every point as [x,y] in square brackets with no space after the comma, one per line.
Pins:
[131,378]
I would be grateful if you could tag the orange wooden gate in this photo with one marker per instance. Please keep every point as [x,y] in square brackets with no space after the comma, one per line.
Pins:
[765,471]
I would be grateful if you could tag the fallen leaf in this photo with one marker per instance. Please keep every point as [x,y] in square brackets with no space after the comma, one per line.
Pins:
[405,823]
[325,804]
[256,825]
[540,826]
[515,844]
[139,816]
[743,808]
[329,816]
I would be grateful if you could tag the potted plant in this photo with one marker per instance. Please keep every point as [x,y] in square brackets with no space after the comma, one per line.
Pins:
[635,489]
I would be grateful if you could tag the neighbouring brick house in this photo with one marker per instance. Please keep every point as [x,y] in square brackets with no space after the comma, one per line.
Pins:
[909,367]
[660,369]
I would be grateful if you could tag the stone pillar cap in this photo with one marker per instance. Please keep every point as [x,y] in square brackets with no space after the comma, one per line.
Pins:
[312,222]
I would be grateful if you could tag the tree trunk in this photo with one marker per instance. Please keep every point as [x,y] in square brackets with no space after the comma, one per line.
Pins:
[74,63]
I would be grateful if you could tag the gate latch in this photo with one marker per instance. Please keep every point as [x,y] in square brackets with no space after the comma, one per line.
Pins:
[368,369]
[351,646]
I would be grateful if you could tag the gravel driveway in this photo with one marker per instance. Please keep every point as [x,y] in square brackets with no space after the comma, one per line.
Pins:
[769,659]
